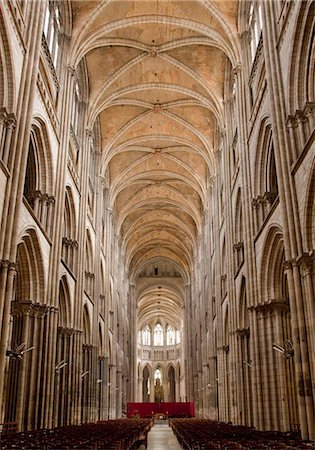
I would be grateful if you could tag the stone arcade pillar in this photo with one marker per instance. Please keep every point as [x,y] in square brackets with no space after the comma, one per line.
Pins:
[17,156]
[292,238]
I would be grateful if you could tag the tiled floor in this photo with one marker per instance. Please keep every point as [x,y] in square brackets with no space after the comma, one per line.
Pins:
[161,437]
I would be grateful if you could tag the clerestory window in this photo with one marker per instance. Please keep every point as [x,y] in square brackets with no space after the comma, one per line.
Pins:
[158,338]
[52,30]
[255,24]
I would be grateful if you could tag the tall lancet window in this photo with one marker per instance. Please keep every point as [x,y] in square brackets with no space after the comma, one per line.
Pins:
[52,30]
[170,335]
[158,375]
[158,339]
[254,27]
[146,336]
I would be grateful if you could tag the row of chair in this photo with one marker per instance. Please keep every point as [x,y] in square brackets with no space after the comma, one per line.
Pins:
[123,434]
[201,434]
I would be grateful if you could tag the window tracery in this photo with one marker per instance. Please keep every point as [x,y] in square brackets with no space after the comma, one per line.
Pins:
[158,335]
[146,336]
[170,335]
[52,30]
[255,23]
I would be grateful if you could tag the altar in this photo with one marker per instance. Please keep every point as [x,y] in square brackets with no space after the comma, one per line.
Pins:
[161,409]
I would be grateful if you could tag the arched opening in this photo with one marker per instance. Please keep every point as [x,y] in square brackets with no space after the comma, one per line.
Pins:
[145,385]
[158,385]
[87,367]
[275,325]
[171,384]
[64,344]
[30,184]
[69,242]
[27,338]
[245,364]
[158,335]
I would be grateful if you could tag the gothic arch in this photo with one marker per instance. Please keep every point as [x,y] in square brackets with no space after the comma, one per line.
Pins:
[70,229]
[309,215]
[272,265]
[146,378]
[100,339]
[69,242]
[275,324]
[38,184]
[30,279]
[243,311]
[42,149]
[238,221]
[238,247]
[89,252]
[223,270]
[172,383]
[89,265]
[7,92]
[226,326]
[265,171]
[64,318]
[102,274]
[302,75]
[29,327]
[87,332]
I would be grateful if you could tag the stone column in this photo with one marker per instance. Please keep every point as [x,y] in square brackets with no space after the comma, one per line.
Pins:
[18,160]
[7,276]
[290,216]
[187,344]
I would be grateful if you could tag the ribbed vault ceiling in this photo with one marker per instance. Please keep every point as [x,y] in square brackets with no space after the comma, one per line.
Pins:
[156,78]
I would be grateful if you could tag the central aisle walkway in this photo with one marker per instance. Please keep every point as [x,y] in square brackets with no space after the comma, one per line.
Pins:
[161,437]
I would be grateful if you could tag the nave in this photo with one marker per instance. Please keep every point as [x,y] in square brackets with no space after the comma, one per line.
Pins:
[157,211]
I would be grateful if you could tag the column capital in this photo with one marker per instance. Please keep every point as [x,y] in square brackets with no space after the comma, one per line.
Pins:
[89,133]
[237,69]
[10,121]
[5,263]
[305,261]
[71,71]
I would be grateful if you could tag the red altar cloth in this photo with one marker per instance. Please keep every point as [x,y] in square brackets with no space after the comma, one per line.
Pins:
[180,409]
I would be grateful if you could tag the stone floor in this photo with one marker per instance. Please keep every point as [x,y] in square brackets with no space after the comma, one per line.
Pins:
[161,437]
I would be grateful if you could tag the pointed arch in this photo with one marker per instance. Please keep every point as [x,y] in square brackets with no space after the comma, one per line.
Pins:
[309,215]
[171,382]
[146,376]
[238,246]
[243,311]
[100,339]
[64,319]
[69,215]
[272,270]
[38,184]
[302,75]
[7,92]
[69,242]
[89,265]
[158,335]
[265,169]
[87,332]
[30,279]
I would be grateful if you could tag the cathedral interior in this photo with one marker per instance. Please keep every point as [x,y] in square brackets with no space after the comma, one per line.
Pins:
[157,208]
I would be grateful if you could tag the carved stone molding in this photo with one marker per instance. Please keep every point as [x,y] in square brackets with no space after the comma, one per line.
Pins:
[272,306]
[259,53]
[153,52]
[66,331]
[242,332]
[305,261]
[238,246]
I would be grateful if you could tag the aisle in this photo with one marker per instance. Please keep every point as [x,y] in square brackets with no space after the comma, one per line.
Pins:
[161,437]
